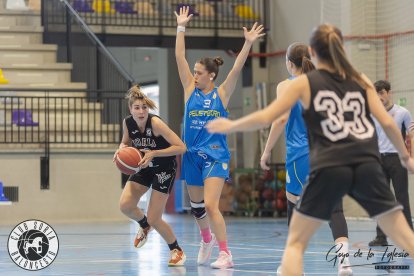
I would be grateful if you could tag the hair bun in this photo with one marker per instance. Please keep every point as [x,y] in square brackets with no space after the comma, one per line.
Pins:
[219,61]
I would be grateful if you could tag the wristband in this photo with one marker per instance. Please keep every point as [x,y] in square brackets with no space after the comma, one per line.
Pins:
[180,29]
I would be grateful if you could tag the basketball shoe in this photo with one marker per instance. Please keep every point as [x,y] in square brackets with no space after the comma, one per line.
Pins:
[344,268]
[205,250]
[378,241]
[141,237]
[224,260]
[177,258]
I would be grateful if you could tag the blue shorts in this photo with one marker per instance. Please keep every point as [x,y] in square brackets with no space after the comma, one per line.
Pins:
[199,166]
[297,173]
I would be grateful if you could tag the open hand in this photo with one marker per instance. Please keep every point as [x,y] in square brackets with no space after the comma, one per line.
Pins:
[183,17]
[220,125]
[255,32]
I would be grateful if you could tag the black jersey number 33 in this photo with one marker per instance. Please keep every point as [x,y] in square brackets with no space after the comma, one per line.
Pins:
[336,127]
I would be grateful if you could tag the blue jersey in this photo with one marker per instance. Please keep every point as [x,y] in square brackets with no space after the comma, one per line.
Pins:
[296,135]
[201,108]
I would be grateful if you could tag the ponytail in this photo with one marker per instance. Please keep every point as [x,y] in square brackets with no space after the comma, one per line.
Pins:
[135,93]
[327,42]
[298,54]
[340,61]
[307,65]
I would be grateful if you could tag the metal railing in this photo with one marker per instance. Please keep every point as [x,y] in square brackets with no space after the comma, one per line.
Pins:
[92,62]
[50,119]
[213,14]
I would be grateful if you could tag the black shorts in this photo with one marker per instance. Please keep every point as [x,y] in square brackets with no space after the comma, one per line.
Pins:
[364,182]
[160,178]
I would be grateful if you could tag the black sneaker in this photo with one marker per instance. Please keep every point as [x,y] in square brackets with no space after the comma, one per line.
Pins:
[378,242]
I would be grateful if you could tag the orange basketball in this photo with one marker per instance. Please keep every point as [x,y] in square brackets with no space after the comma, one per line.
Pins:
[127,160]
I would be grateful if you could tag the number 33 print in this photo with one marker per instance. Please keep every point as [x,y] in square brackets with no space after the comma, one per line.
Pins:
[335,127]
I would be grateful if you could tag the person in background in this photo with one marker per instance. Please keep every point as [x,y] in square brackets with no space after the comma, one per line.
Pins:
[390,162]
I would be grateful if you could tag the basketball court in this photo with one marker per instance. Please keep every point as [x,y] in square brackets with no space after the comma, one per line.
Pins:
[61,109]
[256,244]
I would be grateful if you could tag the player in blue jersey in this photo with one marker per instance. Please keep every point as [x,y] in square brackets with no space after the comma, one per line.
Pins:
[297,152]
[206,162]
[344,158]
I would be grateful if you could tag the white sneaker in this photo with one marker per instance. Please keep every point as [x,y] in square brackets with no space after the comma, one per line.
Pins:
[344,269]
[141,237]
[177,258]
[205,250]
[279,271]
[224,260]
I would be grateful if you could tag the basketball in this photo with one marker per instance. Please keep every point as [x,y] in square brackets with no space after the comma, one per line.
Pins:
[127,160]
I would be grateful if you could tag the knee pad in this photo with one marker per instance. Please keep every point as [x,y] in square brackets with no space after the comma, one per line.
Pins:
[198,209]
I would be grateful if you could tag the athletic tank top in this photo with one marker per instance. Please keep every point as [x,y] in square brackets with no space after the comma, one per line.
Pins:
[201,108]
[147,139]
[341,130]
[296,134]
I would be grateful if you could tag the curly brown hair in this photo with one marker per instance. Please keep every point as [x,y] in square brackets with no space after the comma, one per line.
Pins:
[135,93]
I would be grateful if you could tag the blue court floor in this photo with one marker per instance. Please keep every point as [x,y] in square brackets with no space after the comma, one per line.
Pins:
[256,243]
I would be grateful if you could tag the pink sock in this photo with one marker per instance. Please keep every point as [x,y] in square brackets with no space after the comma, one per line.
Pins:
[206,234]
[223,246]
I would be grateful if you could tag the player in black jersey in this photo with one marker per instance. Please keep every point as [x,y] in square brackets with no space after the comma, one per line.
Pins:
[344,156]
[149,134]
[297,153]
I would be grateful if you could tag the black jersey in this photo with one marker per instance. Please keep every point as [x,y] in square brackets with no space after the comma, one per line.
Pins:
[341,130]
[147,140]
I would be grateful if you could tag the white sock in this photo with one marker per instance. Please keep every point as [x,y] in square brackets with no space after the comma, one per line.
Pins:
[342,248]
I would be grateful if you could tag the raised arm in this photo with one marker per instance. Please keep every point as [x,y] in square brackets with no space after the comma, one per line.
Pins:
[227,87]
[187,79]
[276,130]
[298,89]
